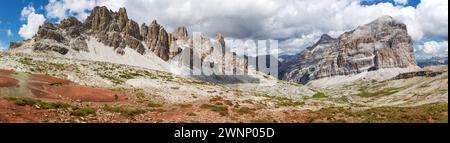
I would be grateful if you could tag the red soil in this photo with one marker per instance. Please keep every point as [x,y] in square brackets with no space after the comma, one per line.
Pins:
[6,72]
[88,94]
[43,86]
[48,79]
[8,82]
[11,113]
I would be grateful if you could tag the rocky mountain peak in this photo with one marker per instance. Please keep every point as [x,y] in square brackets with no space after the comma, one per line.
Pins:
[70,22]
[180,33]
[325,38]
[123,18]
[383,43]
[99,19]
[113,29]
[384,19]
[220,39]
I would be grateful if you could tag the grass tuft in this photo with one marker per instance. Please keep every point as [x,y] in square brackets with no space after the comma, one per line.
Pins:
[222,110]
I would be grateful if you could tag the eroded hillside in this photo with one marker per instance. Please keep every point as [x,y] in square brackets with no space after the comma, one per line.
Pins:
[39,88]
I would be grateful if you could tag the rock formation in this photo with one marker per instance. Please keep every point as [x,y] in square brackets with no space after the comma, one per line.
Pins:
[383,43]
[116,30]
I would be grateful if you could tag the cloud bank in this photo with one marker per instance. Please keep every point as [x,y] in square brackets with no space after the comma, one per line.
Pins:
[296,23]
[432,49]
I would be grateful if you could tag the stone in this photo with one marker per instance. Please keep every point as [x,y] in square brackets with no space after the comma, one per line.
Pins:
[70,22]
[49,31]
[180,33]
[79,44]
[99,20]
[157,39]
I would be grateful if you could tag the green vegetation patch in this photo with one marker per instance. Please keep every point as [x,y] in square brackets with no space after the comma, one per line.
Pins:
[222,110]
[246,110]
[281,101]
[430,113]
[26,61]
[73,110]
[320,95]
[123,110]
[111,78]
[154,105]
[363,92]
[191,114]
[24,101]
[184,105]
[82,111]
[268,120]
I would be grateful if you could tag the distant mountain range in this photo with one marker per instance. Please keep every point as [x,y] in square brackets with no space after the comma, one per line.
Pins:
[432,61]
[381,44]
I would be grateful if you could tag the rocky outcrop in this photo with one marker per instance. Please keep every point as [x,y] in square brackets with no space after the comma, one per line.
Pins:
[49,31]
[418,74]
[180,33]
[116,30]
[70,22]
[383,43]
[157,40]
[99,20]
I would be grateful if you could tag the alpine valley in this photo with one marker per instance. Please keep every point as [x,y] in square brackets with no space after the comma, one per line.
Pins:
[110,69]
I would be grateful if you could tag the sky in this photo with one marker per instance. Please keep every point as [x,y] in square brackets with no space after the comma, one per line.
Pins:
[297,24]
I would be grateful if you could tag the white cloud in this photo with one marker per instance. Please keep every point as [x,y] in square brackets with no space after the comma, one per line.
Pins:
[432,15]
[61,9]
[295,45]
[34,20]
[286,20]
[402,2]
[281,19]
[432,48]
[26,11]
[9,33]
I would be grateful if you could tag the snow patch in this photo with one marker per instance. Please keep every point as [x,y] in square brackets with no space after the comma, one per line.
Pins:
[100,52]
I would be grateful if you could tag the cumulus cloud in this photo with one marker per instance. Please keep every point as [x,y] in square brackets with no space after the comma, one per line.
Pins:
[279,18]
[432,15]
[26,11]
[433,48]
[34,20]
[61,9]
[296,24]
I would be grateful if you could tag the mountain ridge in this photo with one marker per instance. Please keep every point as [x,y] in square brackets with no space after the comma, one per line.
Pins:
[380,44]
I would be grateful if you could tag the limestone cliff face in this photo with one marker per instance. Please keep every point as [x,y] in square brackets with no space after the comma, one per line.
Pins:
[383,43]
[116,30]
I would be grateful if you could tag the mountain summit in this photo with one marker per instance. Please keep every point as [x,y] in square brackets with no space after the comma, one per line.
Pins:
[383,43]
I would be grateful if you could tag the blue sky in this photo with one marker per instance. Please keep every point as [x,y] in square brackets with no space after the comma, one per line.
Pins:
[10,18]
[412,3]
[297,24]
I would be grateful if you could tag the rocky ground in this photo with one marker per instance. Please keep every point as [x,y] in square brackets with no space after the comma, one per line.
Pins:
[37,88]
